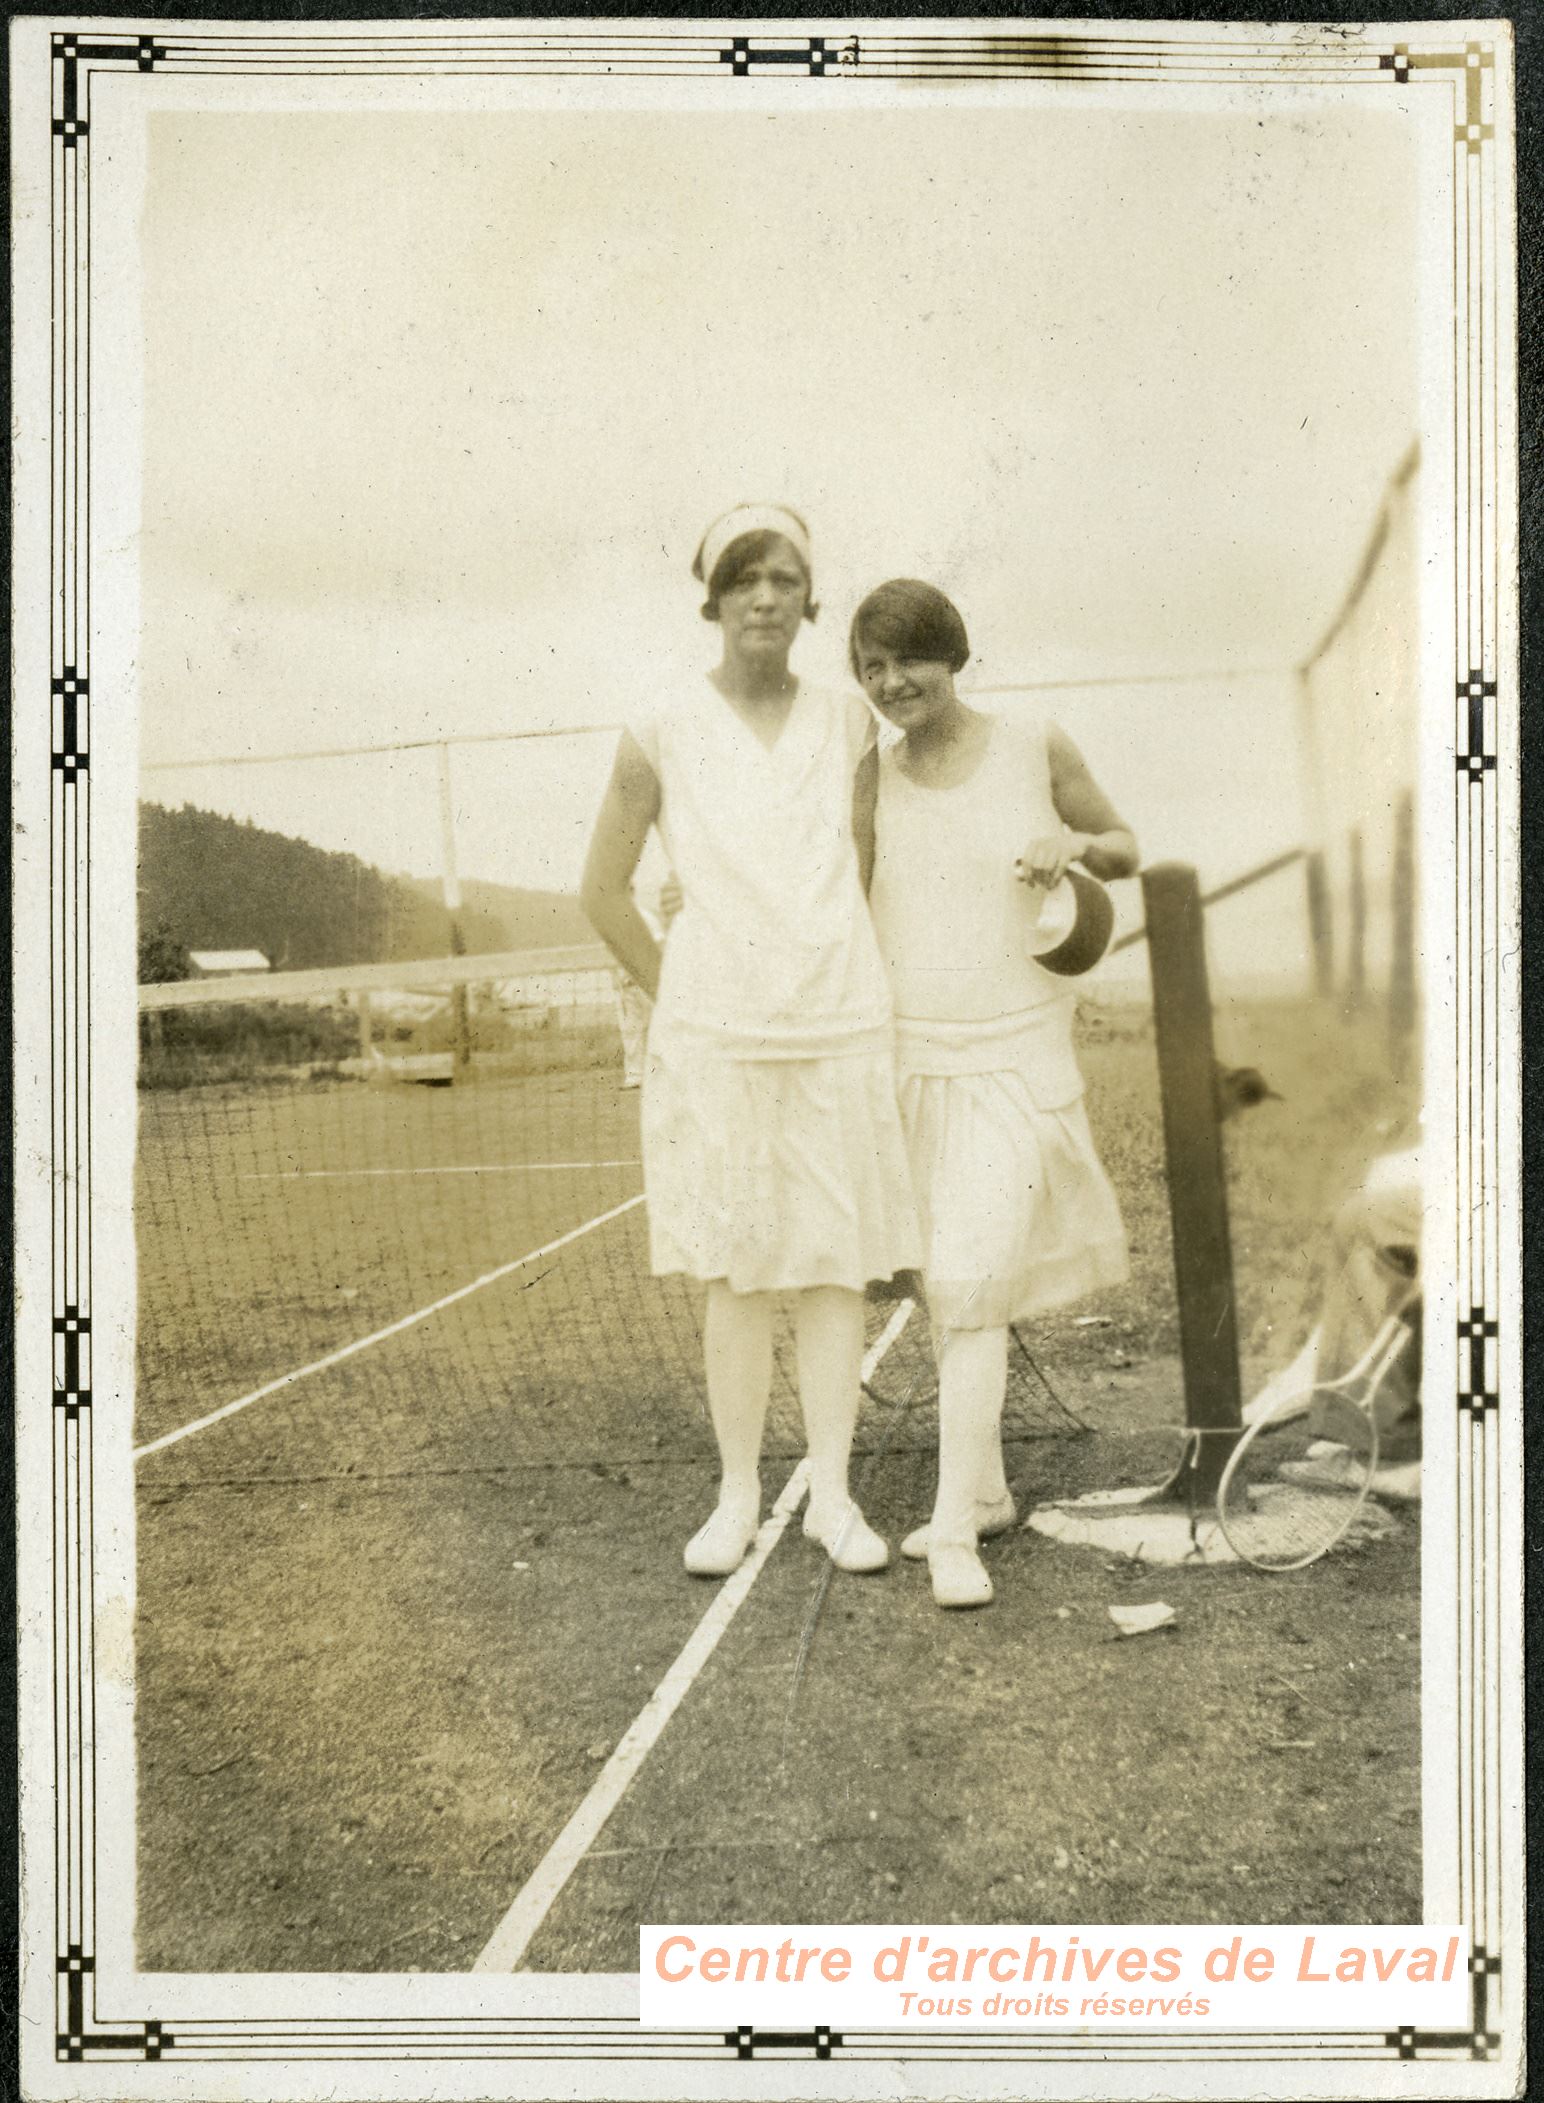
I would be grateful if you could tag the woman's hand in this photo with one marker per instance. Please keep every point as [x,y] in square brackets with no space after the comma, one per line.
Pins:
[671,899]
[1045,861]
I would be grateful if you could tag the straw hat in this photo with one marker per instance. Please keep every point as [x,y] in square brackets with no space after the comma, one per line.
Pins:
[1074,926]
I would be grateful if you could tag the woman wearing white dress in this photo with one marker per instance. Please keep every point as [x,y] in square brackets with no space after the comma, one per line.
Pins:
[773,1156]
[978,818]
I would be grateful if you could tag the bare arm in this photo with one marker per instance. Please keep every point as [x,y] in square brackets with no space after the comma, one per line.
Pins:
[629,807]
[865,796]
[1097,835]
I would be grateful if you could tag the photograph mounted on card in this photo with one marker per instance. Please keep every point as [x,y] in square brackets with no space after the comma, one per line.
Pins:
[767,1082]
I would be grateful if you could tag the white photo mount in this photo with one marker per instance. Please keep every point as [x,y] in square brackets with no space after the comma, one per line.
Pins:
[92,2025]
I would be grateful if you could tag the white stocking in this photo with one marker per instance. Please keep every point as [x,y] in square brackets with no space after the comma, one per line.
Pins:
[972,1381]
[737,1350]
[828,1329]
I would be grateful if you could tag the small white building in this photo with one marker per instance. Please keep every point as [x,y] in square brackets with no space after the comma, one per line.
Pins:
[228,963]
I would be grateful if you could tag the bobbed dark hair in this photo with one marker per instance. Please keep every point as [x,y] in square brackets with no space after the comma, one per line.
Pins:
[914,620]
[743,554]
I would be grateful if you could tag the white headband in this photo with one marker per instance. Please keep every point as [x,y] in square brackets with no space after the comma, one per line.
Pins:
[750,518]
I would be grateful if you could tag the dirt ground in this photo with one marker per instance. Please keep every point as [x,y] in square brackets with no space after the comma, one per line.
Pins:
[367,1705]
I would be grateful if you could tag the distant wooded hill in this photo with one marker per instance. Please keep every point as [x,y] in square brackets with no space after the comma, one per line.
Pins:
[210,882]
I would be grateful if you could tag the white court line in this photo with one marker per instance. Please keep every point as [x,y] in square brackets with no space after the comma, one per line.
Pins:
[377,1336]
[512,1937]
[475,1168]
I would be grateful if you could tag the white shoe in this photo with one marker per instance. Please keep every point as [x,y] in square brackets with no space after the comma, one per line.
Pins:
[719,1547]
[991,1520]
[851,1543]
[959,1575]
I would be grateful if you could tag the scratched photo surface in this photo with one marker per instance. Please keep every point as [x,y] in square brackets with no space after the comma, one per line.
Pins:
[436,408]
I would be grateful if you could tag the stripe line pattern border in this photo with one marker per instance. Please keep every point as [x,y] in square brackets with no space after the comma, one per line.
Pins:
[1483,758]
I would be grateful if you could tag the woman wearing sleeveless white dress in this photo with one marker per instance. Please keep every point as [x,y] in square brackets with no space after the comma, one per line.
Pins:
[977,817]
[773,1155]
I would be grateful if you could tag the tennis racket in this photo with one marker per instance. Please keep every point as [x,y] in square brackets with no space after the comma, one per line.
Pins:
[1296,1480]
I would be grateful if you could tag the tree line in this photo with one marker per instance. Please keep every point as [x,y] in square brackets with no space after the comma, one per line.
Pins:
[212,882]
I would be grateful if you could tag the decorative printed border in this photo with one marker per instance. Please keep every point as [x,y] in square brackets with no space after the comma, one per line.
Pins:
[1464,72]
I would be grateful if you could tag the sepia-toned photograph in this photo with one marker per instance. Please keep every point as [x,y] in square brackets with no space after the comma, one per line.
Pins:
[779,1081]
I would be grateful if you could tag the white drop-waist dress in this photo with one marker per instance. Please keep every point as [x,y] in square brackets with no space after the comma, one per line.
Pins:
[1017,1213]
[773,1154]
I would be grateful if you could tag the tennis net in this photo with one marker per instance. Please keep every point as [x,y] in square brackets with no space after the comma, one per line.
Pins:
[390,1221]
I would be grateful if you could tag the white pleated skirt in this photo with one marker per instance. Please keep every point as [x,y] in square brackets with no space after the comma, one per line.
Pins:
[1017,1213]
[775,1174]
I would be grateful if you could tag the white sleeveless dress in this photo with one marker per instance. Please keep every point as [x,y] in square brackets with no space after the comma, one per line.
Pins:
[772,1146]
[1018,1215]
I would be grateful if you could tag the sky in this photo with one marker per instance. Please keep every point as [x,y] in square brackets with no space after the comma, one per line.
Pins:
[437,406]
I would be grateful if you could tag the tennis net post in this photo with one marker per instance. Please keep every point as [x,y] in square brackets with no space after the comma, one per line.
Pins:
[1193,1158]
[450,882]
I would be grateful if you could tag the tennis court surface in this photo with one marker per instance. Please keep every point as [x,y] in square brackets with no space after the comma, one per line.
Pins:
[415,1576]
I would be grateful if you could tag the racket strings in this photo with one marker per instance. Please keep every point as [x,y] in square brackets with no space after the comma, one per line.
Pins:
[1295,1483]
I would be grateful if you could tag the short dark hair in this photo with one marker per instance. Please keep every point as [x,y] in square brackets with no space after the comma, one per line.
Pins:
[743,554]
[914,620]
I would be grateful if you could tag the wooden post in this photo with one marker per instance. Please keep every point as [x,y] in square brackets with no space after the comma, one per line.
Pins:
[1402,940]
[451,885]
[1198,1198]
[1320,934]
[1356,959]
[1316,816]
